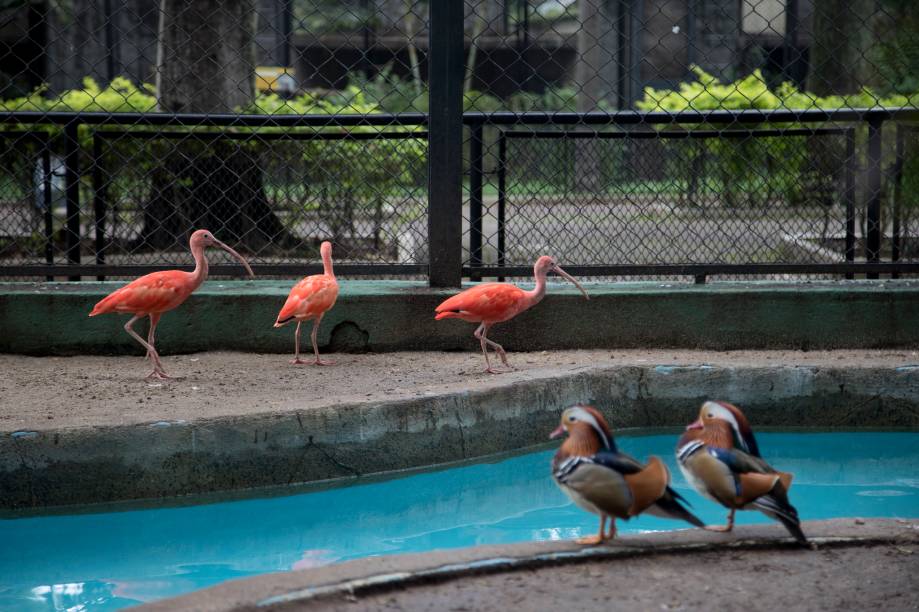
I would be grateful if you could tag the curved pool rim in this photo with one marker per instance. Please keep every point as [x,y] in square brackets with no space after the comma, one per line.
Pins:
[112,463]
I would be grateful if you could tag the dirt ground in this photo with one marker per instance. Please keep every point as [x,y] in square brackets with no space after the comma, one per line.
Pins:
[887,578]
[59,392]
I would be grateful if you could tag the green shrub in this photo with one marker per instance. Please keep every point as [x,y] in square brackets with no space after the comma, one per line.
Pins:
[746,171]
[752,92]
[361,169]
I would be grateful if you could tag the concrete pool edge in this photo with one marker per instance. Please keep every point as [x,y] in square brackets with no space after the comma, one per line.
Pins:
[345,582]
[169,459]
[384,316]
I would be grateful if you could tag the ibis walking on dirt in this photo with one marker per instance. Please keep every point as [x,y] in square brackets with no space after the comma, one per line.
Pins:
[491,303]
[153,294]
[311,298]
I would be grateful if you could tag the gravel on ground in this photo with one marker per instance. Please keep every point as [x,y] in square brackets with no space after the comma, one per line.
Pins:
[59,392]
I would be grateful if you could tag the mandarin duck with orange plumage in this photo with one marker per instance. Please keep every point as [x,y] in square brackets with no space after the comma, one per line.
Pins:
[720,458]
[600,479]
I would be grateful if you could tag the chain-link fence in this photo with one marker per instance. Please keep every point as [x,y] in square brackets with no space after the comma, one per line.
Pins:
[629,138]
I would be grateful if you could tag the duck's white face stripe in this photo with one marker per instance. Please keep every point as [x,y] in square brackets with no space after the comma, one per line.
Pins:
[717,411]
[582,415]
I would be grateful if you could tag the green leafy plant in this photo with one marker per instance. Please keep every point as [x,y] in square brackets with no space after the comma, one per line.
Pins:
[798,171]
[752,92]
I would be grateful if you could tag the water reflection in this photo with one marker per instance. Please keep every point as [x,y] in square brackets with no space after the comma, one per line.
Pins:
[108,561]
[77,596]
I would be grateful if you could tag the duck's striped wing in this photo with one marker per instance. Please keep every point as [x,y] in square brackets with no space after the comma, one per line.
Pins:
[762,487]
[637,488]
[589,483]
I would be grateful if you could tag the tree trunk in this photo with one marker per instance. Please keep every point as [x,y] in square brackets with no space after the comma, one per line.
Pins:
[842,38]
[587,76]
[205,64]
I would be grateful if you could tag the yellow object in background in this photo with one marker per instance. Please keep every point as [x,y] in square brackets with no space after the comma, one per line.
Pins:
[275,78]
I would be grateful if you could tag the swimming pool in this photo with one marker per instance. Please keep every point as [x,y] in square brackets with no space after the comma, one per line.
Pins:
[106,561]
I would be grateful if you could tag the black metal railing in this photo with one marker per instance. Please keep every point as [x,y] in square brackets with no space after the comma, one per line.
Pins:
[628,127]
[721,125]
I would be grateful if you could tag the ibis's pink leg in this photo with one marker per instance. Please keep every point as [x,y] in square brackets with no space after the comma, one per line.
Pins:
[151,335]
[723,528]
[158,371]
[296,360]
[484,342]
[313,337]
[480,333]
[498,348]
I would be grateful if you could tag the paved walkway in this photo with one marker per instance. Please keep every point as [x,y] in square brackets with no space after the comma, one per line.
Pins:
[857,565]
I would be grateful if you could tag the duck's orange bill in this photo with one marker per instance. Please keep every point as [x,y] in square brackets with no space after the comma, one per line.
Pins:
[557,432]
[694,425]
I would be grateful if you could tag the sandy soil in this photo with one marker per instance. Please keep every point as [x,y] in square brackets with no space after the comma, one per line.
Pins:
[61,392]
[887,577]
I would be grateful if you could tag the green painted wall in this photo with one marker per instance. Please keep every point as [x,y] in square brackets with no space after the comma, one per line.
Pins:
[51,318]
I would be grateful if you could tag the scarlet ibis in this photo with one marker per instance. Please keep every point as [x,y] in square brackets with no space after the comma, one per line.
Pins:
[491,303]
[311,298]
[153,294]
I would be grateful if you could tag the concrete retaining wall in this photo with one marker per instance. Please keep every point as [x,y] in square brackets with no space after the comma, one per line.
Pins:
[165,459]
[45,319]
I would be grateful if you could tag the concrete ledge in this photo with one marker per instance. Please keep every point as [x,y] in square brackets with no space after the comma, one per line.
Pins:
[51,319]
[48,466]
[449,574]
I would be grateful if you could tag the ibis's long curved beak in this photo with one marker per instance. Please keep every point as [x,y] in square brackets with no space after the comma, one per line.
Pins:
[236,255]
[558,270]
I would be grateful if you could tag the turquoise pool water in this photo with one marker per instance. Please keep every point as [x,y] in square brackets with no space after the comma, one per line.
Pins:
[111,560]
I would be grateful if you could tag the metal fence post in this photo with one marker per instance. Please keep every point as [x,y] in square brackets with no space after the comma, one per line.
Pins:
[47,202]
[72,192]
[849,198]
[502,199]
[873,242]
[475,200]
[897,196]
[100,205]
[445,144]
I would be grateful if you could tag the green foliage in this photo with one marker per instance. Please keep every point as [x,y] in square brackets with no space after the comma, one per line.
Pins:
[895,53]
[390,92]
[786,168]
[121,96]
[340,177]
[752,92]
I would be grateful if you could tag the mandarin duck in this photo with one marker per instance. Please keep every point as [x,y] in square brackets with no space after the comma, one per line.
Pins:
[720,458]
[600,479]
